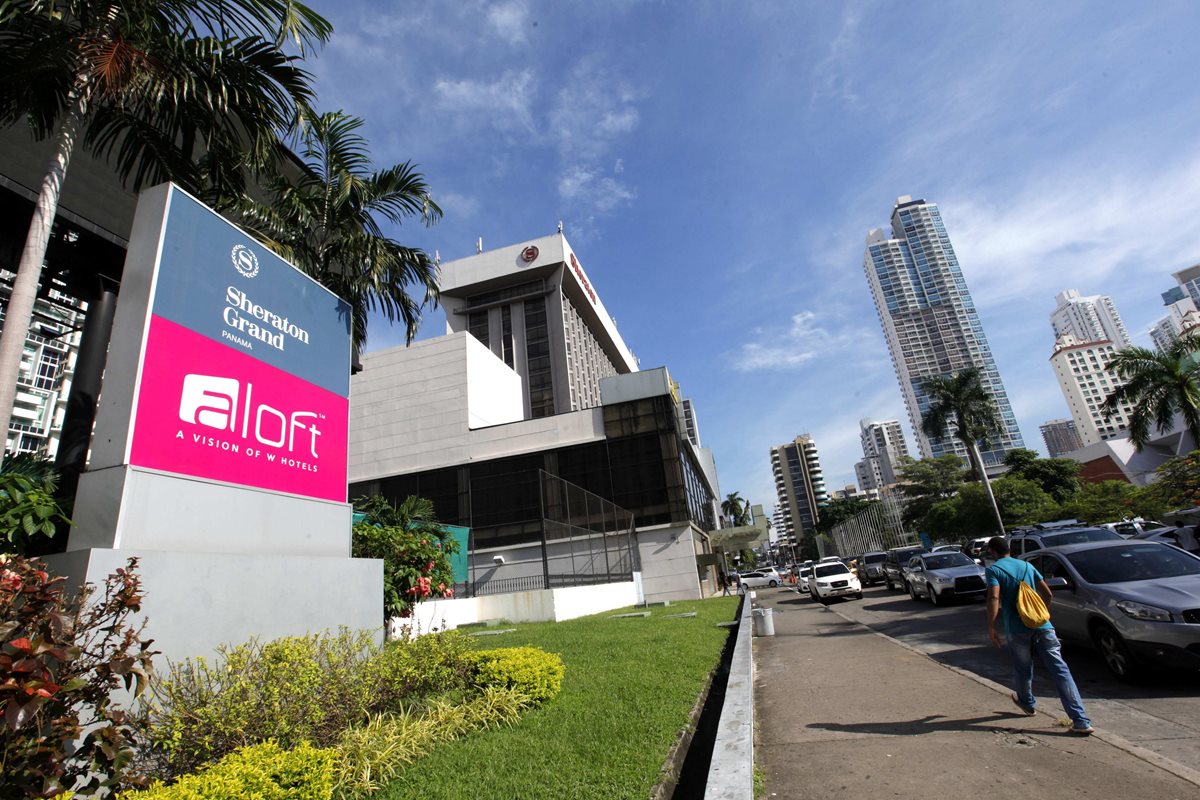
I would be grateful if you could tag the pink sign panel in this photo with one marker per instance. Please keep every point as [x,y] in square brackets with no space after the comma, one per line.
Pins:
[207,410]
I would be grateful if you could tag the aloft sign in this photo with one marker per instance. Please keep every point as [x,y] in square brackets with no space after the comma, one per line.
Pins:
[245,375]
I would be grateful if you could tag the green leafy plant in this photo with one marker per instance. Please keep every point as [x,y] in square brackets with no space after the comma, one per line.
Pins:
[292,690]
[369,757]
[529,670]
[27,510]
[415,550]
[61,658]
[263,771]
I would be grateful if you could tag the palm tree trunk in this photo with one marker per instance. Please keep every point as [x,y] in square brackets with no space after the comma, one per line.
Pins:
[29,272]
[977,464]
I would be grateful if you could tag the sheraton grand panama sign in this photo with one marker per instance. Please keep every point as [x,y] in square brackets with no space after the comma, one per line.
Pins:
[245,372]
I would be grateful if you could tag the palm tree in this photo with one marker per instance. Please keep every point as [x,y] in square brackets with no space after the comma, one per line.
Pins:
[735,509]
[961,400]
[1159,385]
[195,91]
[327,222]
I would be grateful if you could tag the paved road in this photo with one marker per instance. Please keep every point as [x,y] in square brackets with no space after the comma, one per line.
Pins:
[1162,715]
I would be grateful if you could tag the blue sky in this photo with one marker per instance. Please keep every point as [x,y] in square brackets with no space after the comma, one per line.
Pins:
[718,165]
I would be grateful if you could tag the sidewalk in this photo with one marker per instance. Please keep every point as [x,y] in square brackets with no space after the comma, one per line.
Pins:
[842,710]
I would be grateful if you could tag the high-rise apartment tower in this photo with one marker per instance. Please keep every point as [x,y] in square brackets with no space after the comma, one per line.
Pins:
[799,484]
[1088,319]
[1083,376]
[1060,437]
[930,322]
[883,447]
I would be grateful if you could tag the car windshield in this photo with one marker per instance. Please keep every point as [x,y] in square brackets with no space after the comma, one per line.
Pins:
[825,570]
[1079,537]
[904,555]
[1157,533]
[947,560]
[1133,563]
[874,558]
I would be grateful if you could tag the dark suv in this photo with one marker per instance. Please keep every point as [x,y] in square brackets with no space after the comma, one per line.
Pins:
[870,567]
[1025,542]
[893,565]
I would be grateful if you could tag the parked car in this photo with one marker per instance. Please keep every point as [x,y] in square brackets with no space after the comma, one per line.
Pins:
[802,574]
[829,559]
[977,547]
[761,577]
[1135,602]
[947,548]
[1027,541]
[895,562]
[1129,528]
[831,580]
[870,567]
[943,576]
[1185,538]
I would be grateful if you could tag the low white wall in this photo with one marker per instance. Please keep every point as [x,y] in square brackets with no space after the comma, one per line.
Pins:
[668,557]
[542,605]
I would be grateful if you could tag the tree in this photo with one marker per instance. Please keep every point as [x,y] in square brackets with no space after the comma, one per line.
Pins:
[1058,477]
[328,223]
[962,401]
[1110,501]
[195,91]
[1159,385]
[736,510]
[927,482]
[1178,483]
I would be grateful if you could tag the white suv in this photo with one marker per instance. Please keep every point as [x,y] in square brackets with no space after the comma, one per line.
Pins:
[761,577]
[831,580]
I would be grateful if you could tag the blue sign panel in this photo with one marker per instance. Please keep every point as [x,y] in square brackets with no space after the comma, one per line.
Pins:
[218,281]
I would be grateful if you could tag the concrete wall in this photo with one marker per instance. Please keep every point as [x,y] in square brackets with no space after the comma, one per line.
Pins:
[195,602]
[668,554]
[494,395]
[545,605]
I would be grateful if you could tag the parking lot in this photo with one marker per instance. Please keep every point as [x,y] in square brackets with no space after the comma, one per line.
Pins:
[1162,714]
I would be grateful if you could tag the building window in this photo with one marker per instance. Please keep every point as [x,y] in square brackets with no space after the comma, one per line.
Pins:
[506,335]
[537,353]
[477,325]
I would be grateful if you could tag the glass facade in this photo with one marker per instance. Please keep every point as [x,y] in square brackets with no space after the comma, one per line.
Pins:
[537,354]
[642,466]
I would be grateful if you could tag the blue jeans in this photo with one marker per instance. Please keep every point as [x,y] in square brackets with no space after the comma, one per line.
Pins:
[1021,647]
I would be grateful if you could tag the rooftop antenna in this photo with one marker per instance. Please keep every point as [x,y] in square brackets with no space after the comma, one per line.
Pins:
[437,258]
[479,245]
[560,226]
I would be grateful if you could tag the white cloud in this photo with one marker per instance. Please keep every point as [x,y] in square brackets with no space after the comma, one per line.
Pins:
[505,102]
[510,21]
[454,204]
[800,343]
[833,76]
[1079,226]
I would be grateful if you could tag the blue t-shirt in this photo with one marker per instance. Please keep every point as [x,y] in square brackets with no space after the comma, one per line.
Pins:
[1007,573]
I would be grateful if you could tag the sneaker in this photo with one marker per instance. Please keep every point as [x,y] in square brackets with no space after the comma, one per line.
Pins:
[1082,729]
[1026,710]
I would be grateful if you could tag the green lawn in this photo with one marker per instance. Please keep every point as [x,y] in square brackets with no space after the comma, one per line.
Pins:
[629,688]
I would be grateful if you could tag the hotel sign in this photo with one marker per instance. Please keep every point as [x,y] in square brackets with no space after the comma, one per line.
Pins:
[587,287]
[245,371]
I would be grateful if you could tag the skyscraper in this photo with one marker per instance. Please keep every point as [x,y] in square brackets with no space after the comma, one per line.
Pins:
[1083,376]
[1060,437]
[930,322]
[800,485]
[1182,316]
[1088,319]
[883,447]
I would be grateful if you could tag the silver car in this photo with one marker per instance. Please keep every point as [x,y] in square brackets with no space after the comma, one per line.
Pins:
[1136,602]
[942,576]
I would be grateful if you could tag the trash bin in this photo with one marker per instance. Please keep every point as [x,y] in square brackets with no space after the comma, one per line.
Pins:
[764,621]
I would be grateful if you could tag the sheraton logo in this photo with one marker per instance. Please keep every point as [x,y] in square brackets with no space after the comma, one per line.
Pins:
[244,260]
[228,405]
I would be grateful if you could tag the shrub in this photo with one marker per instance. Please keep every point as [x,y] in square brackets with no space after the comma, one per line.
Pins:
[28,509]
[371,756]
[293,690]
[531,671]
[263,771]
[60,660]
[415,550]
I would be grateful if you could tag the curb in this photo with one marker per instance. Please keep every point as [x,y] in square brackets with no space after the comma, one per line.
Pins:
[1148,756]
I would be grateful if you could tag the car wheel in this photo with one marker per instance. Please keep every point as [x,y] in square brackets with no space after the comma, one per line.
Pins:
[933,596]
[888,581]
[823,600]
[1116,654]
[773,584]
[858,596]
[912,592]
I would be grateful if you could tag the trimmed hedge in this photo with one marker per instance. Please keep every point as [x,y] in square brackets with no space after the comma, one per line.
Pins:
[263,772]
[529,670]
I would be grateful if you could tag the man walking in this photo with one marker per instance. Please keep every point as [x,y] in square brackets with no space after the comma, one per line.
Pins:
[1003,578]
